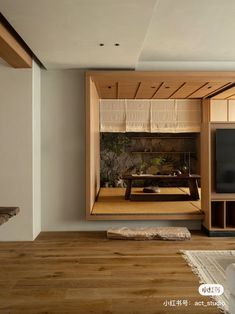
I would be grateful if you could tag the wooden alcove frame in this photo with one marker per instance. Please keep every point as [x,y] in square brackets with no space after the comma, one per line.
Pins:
[96,81]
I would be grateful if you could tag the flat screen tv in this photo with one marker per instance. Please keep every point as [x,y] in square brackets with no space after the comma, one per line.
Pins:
[225,160]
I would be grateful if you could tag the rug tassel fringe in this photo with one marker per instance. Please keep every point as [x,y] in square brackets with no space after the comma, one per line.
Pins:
[201,281]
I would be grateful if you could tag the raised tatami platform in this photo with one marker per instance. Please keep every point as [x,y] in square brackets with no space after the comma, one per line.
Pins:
[111,202]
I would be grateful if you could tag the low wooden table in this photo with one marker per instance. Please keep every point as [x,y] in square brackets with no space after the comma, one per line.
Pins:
[191,181]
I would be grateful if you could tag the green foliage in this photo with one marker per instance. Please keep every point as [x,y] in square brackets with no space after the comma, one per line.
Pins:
[158,161]
[143,166]
[114,142]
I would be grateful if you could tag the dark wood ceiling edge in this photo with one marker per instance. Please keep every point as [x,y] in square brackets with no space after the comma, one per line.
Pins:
[117,90]
[20,40]
[137,90]
[220,90]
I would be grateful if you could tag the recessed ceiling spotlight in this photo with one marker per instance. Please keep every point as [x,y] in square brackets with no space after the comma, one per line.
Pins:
[116,44]
[101,44]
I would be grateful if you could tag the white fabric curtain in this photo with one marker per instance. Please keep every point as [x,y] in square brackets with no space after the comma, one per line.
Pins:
[113,115]
[160,115]
[188,115]
[137,116]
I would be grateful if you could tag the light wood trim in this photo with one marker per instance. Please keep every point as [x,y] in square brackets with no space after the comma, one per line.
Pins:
[183,76]
[11,51]
[92,144]
[206,174]
[88,148]
[206,110]
[146,217]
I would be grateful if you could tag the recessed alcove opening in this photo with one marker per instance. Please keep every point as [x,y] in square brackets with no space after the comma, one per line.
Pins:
[132,153]
[136,134]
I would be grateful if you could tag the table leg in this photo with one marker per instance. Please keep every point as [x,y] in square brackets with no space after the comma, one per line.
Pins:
[128,190]
[193,188]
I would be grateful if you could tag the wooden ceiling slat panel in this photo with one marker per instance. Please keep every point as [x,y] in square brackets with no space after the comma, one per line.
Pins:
[107,91]
[146,86]
[167,89]
[128,90]
[209,88]
[229,93]
[187,89]
[232,97]
[147,90]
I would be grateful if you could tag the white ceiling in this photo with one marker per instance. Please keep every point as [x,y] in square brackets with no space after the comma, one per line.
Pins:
[191,30]
[67,33]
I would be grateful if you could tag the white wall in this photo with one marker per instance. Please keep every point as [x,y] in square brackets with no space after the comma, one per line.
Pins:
[17,151]
[63,156]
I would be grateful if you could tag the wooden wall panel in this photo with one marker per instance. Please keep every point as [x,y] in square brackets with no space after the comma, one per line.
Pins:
[231,110]
[218,110]
[92,144]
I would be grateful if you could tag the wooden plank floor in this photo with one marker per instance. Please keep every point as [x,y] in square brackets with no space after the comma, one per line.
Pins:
[111,201]
[71,272]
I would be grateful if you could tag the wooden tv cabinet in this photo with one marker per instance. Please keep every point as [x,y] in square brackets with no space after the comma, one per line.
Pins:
[219,208]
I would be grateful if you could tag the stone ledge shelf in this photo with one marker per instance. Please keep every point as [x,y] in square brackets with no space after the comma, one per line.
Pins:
[7,212]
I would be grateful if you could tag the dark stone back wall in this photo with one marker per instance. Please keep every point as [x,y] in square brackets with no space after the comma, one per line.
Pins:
[126,153]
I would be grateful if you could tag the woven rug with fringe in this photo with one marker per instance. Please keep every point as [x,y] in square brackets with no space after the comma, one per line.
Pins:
[210,267]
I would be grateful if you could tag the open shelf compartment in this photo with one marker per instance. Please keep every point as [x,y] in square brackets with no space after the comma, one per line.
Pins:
[230,214]
[218,214]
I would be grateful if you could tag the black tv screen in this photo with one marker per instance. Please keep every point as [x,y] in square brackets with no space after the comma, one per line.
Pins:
[225,160]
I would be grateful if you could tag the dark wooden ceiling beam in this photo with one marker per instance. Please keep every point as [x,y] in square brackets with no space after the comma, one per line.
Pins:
[137,90]
[117,90]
